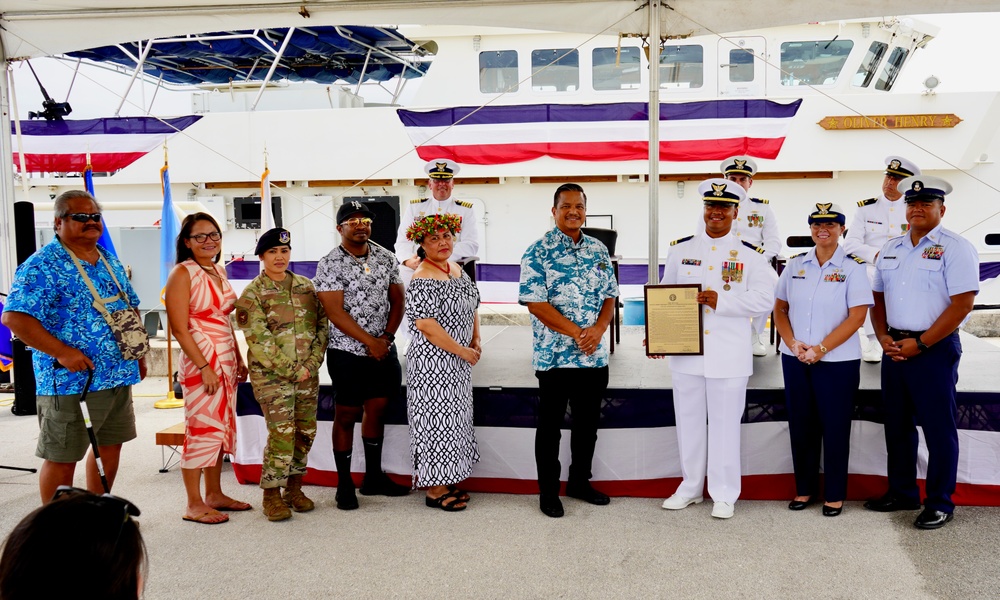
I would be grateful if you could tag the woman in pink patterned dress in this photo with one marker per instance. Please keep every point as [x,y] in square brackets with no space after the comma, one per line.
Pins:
[199,299]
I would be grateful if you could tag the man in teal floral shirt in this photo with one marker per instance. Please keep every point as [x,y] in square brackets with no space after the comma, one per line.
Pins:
[569,287]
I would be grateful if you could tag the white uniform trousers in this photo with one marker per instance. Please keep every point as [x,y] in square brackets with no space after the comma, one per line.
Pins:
[758,323]
[708,412]
[869,329]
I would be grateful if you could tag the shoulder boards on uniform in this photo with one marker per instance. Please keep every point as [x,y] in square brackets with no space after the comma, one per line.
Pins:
[463,203]
[680,241]
[418,200]
[760,200]
[867,202]
[856,258]
[756,249]
[797,255]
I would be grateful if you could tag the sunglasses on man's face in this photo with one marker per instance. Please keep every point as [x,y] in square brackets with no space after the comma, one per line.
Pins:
[357,222]
[84,217]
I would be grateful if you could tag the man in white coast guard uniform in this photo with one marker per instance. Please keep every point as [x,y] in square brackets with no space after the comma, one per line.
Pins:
[737,283]
[874,223]
[755,224]
[441,180]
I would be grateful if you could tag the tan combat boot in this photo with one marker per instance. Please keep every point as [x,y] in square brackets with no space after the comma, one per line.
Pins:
[294,497]
[274,508]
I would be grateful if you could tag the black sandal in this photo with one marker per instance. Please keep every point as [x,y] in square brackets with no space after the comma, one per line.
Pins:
[461,495]
[440,502]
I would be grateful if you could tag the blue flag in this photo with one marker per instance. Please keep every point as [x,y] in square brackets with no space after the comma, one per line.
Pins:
[170,227]
[88,181]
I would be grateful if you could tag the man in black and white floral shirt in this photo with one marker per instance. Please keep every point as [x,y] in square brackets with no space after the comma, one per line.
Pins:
[359,286]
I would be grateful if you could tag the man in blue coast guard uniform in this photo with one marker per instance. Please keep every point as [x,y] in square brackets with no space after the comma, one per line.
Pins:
[925,285]
[876,221]
[737,283]
[755,224]
[441,180]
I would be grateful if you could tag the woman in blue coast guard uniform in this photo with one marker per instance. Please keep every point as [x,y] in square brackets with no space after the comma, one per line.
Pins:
[821,300]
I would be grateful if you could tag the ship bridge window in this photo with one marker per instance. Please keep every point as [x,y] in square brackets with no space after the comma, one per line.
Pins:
[555,70]
[876,52]
[498,71]
[682,66]
[616,71]
[814,62]
[892,67]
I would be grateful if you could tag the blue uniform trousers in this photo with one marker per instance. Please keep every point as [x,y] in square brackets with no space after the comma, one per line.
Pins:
[921,390]
[820,401]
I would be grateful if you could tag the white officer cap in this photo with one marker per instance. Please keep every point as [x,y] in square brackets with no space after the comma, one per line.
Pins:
[897,166]
[738,165]
[441,168]
[924,187]
[721,190]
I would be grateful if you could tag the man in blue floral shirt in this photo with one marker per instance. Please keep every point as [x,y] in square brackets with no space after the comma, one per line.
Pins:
[569,288]
[50,308]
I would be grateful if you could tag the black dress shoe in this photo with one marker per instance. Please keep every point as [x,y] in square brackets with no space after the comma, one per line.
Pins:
[588,494]
[347,499]
[932,519]
[829,511]
[891,503]
[551,506]
[381,485]
[799,504]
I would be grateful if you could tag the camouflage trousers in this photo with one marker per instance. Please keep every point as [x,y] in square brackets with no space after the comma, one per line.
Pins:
[290,411]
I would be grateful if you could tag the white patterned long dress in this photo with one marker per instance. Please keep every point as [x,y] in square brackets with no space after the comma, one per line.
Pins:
[439,384]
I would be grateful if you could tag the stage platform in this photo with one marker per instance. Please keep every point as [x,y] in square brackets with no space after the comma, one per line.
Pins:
[637,447]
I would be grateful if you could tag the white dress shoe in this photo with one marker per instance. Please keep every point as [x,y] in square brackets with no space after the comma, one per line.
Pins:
[872,353]
[676,502]
[722,510]
[759,347]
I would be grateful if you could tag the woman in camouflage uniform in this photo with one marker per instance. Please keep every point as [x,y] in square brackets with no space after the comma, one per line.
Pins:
[286,332]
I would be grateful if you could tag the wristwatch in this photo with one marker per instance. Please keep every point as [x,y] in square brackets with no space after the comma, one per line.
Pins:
[823,348]
[922,346]
[391,336]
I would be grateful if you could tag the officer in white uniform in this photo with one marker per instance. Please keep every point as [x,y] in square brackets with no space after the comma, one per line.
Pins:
[755,224]
[440,173]
[737,283]
[925,286]
[875,222]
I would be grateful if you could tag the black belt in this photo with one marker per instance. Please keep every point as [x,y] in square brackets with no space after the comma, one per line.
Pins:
[902,334]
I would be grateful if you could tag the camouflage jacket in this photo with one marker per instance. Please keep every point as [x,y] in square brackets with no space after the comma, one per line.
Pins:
[284,331]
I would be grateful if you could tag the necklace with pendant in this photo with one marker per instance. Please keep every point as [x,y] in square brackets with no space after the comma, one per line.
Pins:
[440,268]
[362,263]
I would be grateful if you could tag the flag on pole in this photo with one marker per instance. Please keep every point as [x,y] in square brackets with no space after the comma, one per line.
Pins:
[88,182]
[170,226]
[266,214]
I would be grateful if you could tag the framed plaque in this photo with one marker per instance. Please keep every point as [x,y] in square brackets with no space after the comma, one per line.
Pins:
[673,320]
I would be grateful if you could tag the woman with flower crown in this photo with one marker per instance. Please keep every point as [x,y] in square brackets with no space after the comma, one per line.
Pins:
[441,304]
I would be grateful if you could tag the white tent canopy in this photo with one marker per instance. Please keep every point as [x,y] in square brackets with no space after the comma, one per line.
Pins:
[31,28]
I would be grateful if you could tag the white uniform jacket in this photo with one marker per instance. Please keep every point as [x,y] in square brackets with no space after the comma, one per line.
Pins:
[726,330]
[757,224]
[874,223]
[468,240]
